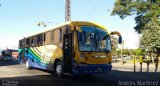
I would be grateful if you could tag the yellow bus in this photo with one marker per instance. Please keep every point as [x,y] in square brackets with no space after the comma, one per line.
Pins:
[74,47]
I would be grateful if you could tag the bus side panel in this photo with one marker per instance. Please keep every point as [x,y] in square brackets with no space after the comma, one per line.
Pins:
[20,56]
[42,57]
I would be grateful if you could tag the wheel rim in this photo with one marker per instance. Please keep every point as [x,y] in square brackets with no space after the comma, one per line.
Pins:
[27,63]
[59,69]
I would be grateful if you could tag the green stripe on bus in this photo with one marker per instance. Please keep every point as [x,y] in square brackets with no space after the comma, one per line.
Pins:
[39,59]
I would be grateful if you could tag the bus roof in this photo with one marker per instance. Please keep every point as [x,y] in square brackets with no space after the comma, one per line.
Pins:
[72,24]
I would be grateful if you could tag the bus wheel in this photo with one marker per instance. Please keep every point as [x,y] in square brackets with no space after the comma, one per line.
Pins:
[2,59]
[58,70]
[27,65]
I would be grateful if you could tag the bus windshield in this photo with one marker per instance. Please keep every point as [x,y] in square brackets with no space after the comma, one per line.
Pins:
[91,39]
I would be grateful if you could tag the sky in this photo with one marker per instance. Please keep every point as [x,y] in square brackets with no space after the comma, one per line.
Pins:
[19,18]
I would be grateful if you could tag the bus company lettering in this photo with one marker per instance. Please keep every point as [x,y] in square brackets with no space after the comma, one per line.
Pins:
[50,50]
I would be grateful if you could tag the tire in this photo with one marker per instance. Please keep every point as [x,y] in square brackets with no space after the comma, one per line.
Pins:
[27,65]
[2,59]
[88,75]
[58,70]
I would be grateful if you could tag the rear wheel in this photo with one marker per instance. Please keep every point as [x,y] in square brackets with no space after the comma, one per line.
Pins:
[27,65]
[2,59]
[58,69]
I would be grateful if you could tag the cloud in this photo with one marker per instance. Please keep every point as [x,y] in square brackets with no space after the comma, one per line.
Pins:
[130,40]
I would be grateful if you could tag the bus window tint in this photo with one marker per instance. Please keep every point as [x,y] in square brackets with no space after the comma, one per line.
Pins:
[31,41]
[27,42]
[91,39]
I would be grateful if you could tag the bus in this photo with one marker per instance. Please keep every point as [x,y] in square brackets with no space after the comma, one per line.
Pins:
[74,48]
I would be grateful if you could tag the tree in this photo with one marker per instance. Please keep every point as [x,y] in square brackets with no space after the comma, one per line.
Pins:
[147,20]
[150,40]
[147,12]
[139,52]
[131,52]
[153,43]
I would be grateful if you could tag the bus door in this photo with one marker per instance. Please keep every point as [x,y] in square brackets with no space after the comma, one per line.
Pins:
[67,53]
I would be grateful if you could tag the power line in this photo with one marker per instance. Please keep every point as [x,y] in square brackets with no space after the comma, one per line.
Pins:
[92,11]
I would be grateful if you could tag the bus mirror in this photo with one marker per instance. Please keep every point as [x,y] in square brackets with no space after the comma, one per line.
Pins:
[105,37]
[120,40]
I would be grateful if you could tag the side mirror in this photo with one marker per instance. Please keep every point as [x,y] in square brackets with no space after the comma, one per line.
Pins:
[105,37]
[120,40]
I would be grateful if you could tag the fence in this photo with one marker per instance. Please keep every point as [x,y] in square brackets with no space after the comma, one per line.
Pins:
[141,60]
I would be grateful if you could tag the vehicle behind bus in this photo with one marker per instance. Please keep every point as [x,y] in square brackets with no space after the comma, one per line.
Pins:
[6,55]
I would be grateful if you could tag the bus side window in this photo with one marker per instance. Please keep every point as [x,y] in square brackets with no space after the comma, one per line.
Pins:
[23,42]
[27,42]
[60,35]
[52,36]
[39,39]
[56,36]
[31,41]
[44,37]
[48,37]
[20,43]
[34,41]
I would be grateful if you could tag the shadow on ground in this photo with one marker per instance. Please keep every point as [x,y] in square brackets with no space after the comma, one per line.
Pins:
[107,79]
[8,62]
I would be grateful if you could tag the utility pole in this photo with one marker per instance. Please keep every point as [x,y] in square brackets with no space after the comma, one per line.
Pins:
[68,11]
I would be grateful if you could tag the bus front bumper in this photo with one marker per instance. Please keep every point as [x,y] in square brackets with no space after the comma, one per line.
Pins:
[92,69]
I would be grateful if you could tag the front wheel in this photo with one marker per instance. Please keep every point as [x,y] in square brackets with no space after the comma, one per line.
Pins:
[58,70]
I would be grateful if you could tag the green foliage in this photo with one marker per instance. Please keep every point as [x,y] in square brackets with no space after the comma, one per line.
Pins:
[125,52]
[147,20]
[116,52]
[150,40]
[146,11]
[139,52]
